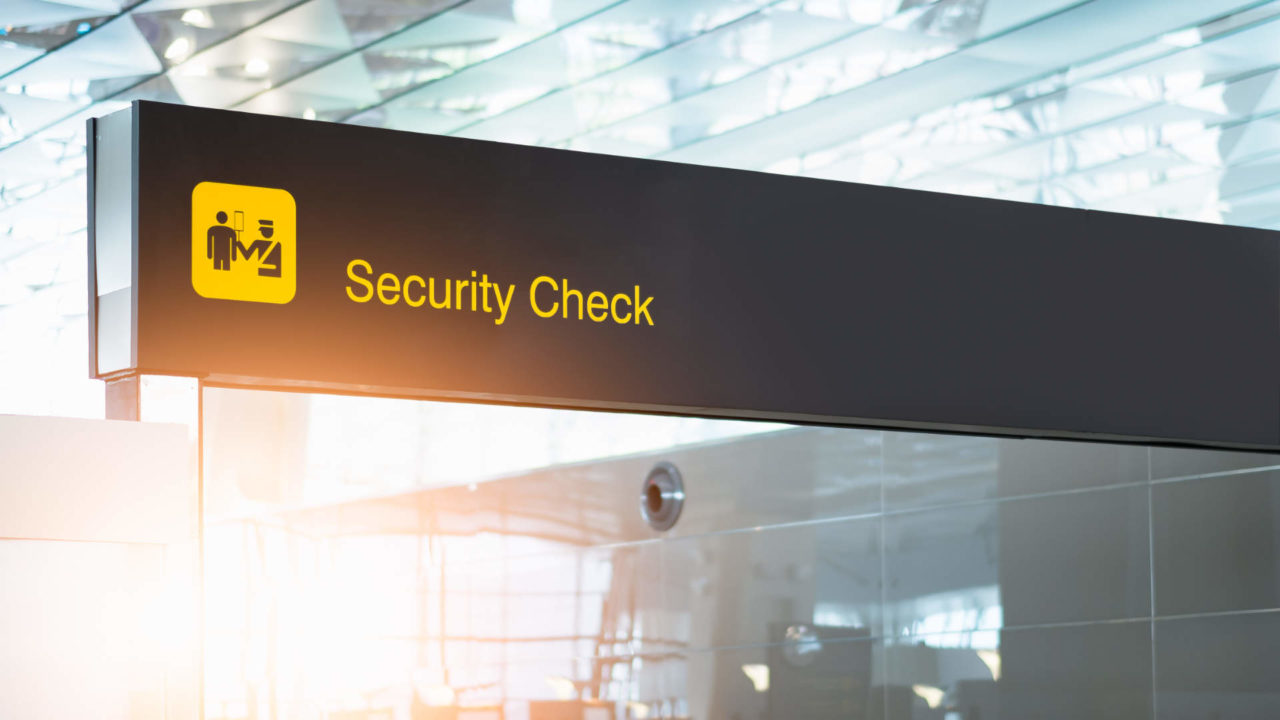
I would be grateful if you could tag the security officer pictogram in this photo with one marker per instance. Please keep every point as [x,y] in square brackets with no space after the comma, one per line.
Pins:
[234,261]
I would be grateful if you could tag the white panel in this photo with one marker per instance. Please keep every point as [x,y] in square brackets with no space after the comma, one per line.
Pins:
[96,480]
[97,630]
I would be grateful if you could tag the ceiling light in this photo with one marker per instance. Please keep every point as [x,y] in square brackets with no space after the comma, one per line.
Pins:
[758,675]
[931,695]
[178,50]
[257,67]
[438,695]
[563,687]
[991,658]
[197,18]
[1182,38]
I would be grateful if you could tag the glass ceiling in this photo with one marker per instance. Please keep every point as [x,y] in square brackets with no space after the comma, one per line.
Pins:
[1159,107]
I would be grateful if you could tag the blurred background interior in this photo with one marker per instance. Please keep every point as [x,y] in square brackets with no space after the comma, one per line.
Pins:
[380,558]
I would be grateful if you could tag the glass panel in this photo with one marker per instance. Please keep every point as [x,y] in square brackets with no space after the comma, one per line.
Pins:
[370,556]
[395,558]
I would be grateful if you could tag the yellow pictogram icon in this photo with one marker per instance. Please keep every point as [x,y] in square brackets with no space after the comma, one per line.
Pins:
[244,243]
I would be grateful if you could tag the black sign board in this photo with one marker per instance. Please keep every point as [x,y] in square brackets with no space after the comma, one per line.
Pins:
[287,253]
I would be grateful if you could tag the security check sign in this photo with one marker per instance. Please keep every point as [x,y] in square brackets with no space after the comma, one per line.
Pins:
[284,253]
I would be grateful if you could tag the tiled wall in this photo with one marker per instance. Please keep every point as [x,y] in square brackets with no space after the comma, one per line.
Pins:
[823,573]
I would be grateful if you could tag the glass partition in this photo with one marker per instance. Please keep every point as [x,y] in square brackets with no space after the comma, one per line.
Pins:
[377,558]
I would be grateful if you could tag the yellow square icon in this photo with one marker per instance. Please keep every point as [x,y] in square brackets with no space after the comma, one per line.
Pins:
[244,243]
